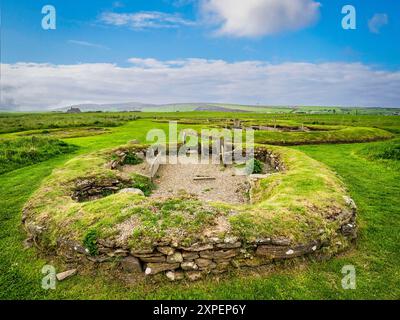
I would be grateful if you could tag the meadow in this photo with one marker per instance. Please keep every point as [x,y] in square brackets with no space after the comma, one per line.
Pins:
[370,171]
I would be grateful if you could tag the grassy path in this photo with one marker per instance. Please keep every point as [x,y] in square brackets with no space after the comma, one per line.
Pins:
[374,187]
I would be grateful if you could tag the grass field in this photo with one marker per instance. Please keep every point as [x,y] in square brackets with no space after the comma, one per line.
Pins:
[22,151]
[370,171]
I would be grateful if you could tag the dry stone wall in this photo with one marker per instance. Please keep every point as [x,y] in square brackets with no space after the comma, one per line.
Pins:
[212,256]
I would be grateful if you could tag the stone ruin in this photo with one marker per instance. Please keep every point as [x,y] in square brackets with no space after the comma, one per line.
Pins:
[92,188]
[211,255]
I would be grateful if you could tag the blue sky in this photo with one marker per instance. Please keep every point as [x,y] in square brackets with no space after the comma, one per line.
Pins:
[118,32]
[25,40]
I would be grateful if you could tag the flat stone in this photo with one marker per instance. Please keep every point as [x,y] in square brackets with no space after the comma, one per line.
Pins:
[285,252]
[281,241]
[215,240]
[190,255]
[139,252]
[176,257]
[229,245]
[263,241]
[219,254]
[207,266]
[121,252]
[66,274]
[131,264]
[175,275]
[106,243]
[189,265]
[166,250]
[199,247]
[154,268]
[231,239]
[203,263]
[154,258]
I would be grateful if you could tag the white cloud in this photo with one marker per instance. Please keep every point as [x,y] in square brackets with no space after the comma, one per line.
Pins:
[254,18]
[41,86]
[145,20]
[377,22]
[87,44]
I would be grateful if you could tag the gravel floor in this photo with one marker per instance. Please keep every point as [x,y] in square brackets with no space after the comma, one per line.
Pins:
[227,187]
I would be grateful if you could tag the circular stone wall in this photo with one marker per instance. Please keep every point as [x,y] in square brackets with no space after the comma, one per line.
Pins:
[92,209]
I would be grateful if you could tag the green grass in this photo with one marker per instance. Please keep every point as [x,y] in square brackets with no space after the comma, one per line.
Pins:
[20,152]
[372,183]
[374,187]
[389,151]
[15,122]
[346,135]
[63,133]
[144,184]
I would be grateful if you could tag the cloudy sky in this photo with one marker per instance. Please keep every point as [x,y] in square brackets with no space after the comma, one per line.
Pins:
[268,52]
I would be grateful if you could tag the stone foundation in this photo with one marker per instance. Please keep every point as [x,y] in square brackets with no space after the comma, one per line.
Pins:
[212,256]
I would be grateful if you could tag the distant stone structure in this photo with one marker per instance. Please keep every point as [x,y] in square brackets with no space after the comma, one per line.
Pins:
[74,110]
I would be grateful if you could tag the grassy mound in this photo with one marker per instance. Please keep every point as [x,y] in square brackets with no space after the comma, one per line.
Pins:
[303,203]
[387,152]
[16,122]
[291,133]
[343,135]
[64,133]
[20,152]
[306,201]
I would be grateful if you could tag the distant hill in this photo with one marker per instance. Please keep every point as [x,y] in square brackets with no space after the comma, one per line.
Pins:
[218,108]
[221,107]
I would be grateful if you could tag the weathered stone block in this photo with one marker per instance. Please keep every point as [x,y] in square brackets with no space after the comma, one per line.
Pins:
[189,265]
[154,259]
[203,263]
[229,245]
[219,254]
[285,252]
[198,247]
[166,250]
[154,268]
[176,257]
[131,264]
[190,255]
[175,275]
